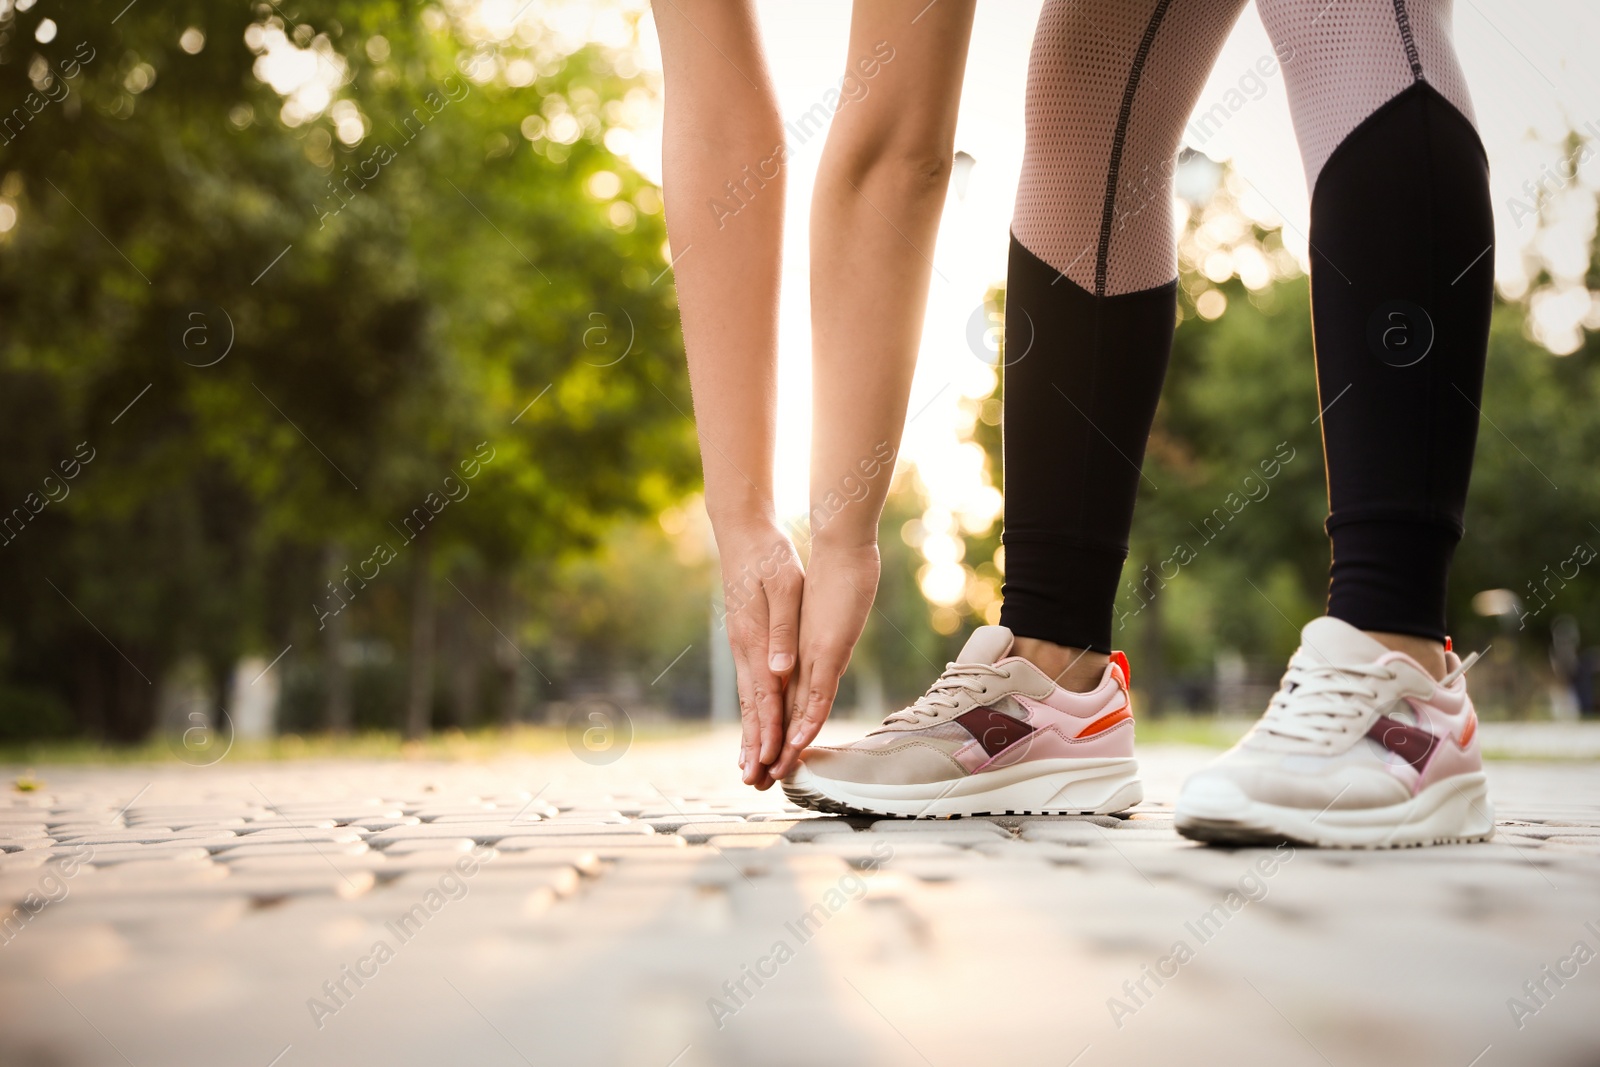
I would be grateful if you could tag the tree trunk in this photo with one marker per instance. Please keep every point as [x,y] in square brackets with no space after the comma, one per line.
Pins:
[1152,658]
[133,712]
[419,695]
[463,668]
[336,704]
[507,658]
[91,691]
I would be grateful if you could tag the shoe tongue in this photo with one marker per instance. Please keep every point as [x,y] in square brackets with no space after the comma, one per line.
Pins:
[1338,644]
[988,644]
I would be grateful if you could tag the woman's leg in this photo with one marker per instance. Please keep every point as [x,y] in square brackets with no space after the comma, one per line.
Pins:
[1370,740]
[1402,270]
[1090,305]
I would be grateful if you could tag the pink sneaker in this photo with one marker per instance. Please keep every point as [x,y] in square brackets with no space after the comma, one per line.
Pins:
[993,736]
[1360,748]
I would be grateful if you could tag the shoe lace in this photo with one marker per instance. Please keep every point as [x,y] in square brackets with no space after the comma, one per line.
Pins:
[958,679]
[1316,702]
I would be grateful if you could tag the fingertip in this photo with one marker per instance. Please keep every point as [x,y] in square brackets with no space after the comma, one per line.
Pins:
[780,662]
[786,762]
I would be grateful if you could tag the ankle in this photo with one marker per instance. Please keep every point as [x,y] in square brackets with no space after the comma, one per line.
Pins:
[1427,652]
[1075,669]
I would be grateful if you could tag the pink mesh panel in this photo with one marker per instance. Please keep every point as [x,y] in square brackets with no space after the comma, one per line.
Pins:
[1343,59]
[1090,59]
[1112,82]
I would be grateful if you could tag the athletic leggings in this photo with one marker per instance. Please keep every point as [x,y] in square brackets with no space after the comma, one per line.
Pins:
[1401,286]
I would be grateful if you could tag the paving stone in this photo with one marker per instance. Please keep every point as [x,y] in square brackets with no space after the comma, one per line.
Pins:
[24,860]
[1067,833]
[485,833]
[787,815]
[191,823]
[338,835]
[277,886]
[668,824]
[274,822]
[421,845]
[588,864]
[508,817]
[727,841]
[144,836]
[595,934]
[696,832]
[591,815]
[430,812]
[109,855]
[256,849]
[602,843]
[563,828]
[812,829]
[380,824]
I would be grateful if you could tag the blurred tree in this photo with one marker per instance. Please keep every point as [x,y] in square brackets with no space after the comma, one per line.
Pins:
[306,286]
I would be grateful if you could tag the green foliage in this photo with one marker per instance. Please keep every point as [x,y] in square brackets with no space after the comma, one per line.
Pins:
[392,305]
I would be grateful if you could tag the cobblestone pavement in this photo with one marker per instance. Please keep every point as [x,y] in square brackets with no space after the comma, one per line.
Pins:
[652,912]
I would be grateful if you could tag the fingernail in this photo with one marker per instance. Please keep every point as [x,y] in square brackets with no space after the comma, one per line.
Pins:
[795,738]
[779,662]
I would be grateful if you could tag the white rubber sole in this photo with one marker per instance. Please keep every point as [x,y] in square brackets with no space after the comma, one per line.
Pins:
[1036,787]
[1453,811]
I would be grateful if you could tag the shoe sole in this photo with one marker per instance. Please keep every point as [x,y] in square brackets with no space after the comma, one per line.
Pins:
[1037,787]
[1454,811]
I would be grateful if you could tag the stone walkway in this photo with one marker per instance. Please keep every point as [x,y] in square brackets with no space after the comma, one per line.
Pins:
[651,912]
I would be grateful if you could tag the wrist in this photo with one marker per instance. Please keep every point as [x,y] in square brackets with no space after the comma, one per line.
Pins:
[741,516]
[842,538]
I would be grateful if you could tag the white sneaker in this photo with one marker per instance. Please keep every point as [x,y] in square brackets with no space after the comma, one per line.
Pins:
[1360,748]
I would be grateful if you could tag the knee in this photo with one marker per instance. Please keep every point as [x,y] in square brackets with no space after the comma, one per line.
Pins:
[913,168]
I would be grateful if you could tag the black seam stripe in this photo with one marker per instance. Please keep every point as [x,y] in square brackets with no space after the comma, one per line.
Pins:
[1402,18]
[1108,210]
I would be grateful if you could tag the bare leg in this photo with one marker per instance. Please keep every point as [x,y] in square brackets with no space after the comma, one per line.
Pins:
[1077,669]
[1424,650]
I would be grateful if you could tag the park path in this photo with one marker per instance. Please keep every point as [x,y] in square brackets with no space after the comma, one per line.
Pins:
[652,912]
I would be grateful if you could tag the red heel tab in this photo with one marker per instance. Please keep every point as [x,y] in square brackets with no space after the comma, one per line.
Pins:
[1119,660]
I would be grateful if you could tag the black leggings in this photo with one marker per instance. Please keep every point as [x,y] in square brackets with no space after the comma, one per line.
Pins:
[1401,289]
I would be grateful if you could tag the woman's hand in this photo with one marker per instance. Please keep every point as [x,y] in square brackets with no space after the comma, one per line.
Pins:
[762,582]
[841,582]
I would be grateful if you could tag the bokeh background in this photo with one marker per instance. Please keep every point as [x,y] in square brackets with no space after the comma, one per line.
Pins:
[341,389]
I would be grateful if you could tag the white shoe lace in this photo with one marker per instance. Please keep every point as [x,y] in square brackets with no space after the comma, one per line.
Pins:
[945,694]
[1316,703]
